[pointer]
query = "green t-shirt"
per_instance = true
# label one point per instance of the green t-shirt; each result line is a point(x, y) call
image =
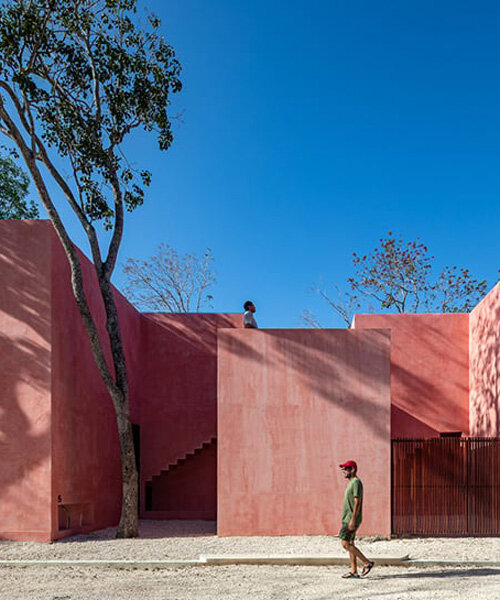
point(354, 490)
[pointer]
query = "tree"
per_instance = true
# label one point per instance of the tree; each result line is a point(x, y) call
point(14, 184)
point(343, 303)
point(398, 276)
point(76, 78)
point(170, 282)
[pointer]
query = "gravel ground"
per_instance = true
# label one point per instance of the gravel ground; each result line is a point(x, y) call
point(183, 539)
point(238, 583)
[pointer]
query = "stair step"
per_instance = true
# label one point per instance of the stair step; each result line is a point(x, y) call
point(172, 466)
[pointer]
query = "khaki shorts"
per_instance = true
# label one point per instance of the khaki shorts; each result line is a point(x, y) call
point(346, 534)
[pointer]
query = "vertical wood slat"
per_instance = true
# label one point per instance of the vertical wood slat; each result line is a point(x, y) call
point(446, 486)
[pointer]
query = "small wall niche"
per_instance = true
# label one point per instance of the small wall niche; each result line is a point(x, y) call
point(75, 515)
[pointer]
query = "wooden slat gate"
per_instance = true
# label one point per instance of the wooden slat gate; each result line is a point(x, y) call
point(446, 486)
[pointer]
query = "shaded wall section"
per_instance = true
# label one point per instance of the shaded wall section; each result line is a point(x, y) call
point(189, 489)
point(293, 404)
point(60, 467)
point(429, 371)
point(485, 366)
point(25, 364)
point(86, 471)
point(179, 413)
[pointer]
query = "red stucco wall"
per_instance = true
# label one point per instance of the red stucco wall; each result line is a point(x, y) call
point(25, 366)
point(485, 366)
point(179, 413)
point(429, 371)
point(404, 425)
point(172, 371)
point(59, 455)
point(189, 491)
point(293, 404)
point(86, 472)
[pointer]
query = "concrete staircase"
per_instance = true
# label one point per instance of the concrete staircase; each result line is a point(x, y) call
point(171, 468)
point(179, 462)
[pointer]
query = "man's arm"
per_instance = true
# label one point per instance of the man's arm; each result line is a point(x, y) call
point(355, 513)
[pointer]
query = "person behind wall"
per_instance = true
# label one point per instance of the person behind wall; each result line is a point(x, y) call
point(352, 514)
point(249, 321)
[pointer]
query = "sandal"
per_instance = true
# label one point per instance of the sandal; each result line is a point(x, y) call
point(367, 568)
point(350, 575)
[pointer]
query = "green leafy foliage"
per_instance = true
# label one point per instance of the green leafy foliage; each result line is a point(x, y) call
point(14, 185)
point(87, 76)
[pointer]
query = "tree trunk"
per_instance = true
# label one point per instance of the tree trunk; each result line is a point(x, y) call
point(128, 526)
point(117, 386)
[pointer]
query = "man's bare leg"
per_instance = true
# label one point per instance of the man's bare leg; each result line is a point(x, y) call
point(349, 547)
point(359, 554)
point(354, 553)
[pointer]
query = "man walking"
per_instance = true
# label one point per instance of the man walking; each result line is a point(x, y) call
point(352, 514)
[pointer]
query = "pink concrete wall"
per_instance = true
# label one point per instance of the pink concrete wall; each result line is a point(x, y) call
point(484, 366)
point(179, 380)
point(86, 472)
point(429, 371)
point(59, 452)
point(25, 365)
point(293, 404)
point(190, 490)
point(404, 425)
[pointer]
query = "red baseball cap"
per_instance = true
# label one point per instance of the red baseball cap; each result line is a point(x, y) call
point(349, 463)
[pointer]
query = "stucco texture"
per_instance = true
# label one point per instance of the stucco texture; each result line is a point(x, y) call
point(25, 368)
point(485, 366)
point(178, 413)
point(293, 404)
point(59, 454)
point(429, 372)
point(86, 466)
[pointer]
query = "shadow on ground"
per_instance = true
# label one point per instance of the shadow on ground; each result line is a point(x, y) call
point(149, 530)
point(477, 572)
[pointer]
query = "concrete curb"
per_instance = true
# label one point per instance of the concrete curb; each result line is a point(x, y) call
point(320, 561)
point(215, 561)
point(107, 564)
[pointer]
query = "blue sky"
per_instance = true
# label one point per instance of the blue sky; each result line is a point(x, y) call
point(310, 129)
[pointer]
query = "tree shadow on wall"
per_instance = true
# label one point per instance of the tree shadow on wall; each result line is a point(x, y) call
point(178, 385)
point(338, 376)
point(430, 367)
point(197, 332)
point(438, 394)
point(333, 376)
point(485, 372)
point(325, 365)
point(423, 401)
point(24, 362)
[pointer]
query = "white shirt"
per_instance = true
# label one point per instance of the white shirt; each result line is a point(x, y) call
point(248, 319)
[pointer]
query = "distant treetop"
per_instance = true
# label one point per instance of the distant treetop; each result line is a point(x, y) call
point(398, 276)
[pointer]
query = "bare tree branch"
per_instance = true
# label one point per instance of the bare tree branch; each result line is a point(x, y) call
point(170, 282)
